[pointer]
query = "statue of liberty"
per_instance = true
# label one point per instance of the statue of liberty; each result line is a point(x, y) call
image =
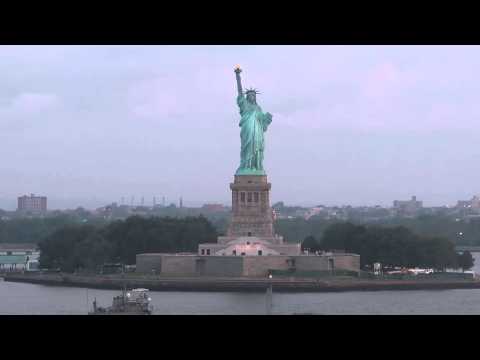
point(253, 125)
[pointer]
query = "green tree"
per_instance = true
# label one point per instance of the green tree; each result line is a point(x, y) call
point(88, 247)
point(64, 249)
point(391, 246)
point(342, 236)
point(465, 260)
point(310, 244)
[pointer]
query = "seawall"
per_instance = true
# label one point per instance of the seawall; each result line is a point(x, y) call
point(238, 284)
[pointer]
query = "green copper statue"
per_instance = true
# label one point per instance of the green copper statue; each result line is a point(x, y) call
point(254, 123)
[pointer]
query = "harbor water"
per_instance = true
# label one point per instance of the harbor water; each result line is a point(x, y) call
point(22, 298)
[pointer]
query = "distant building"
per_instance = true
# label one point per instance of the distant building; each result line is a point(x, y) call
point(107, 210)
point(32, 203)
point(473, 204)
point(315, 211)
point(407, 207)
point(18, 257)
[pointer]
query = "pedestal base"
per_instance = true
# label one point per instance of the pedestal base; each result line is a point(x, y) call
point(248, 246)
point(251, 212)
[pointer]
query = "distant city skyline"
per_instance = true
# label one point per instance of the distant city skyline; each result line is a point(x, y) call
point(94, 203)
point(352, 125)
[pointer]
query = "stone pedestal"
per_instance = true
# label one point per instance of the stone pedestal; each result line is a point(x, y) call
point(250, 231)
point(251, 211)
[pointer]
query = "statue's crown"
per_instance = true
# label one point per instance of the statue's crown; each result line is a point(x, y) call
point(251, 90)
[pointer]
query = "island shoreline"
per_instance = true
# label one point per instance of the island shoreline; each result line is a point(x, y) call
point(238, 284)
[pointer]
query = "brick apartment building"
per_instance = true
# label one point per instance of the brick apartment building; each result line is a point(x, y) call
point(32, 203)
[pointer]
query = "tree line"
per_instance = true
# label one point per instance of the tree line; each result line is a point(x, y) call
point(76, 247)
point(391, 246)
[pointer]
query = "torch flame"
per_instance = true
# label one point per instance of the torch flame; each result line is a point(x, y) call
point(237, 67)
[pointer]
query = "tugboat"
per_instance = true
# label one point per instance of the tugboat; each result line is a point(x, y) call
point(133, 302)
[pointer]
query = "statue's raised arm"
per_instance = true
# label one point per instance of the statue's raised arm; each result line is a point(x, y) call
point(239, 80)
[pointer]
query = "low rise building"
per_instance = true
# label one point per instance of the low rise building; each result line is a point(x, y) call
point(316, 211)
point(407, 207)
point(469, 206)
point(18, 257)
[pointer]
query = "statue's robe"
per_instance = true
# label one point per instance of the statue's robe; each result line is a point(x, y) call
point(253, 125)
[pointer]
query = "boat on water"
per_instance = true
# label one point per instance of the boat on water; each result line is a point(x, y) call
point(133, 302)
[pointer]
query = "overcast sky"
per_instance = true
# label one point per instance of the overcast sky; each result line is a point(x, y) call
point(360, 125)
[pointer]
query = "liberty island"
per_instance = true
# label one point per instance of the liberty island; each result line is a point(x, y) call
point(250, 247)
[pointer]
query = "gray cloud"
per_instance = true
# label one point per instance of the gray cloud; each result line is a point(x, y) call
point(352, 124)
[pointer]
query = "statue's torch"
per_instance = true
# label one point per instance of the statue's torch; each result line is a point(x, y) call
point(239, 80)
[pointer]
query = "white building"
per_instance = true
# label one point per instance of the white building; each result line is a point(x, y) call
point(18, 257)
